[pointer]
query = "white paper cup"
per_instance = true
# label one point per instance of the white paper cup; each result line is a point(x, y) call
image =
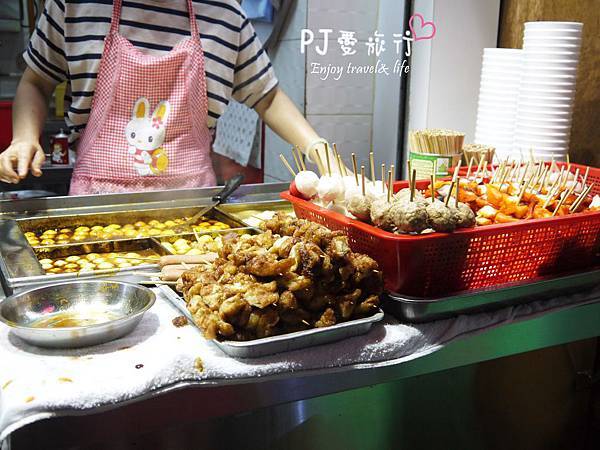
point(541, 134)
point(541, 139)
point(543, 114)
point(547, 91)
point(550, 38)
point(553, 25)
point(553, 58)
point(550, 84)
point(549, 75)
point(549, 46)
point(541, 105)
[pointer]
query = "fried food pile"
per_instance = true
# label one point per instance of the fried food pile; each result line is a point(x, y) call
point(294, 276)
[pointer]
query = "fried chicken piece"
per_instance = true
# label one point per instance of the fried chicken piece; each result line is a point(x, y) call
point(367, 306)
point(338, 247)
point(268, 265)
point(345, 304)
point(235, 310)
point(326, 319)
point(294, 282)
point(261, 295)
point(363, 266)
point(318, 302)
point(263, 322)
point(287, 300)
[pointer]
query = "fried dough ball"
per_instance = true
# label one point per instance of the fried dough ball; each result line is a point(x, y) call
point(46, 261)
point(60, 263)
point(48, 242)
point(50, 233)
point(92, 256)
point(72, 266)
point(55, 271)
point(47, 266)
point(105, 266)
point(30, 234)
point(72, 259)
point(82, 230)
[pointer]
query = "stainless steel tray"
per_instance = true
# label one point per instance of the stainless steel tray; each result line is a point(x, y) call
point(284, 342)
point(411, 309)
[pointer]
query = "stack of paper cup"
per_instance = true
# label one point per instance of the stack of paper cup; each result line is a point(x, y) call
point(498, 99)
point(551, 56)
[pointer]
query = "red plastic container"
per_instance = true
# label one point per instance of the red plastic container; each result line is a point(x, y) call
point(442, 263)
point(5, 124)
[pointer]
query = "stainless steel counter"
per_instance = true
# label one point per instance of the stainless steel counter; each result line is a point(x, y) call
point(199, 401)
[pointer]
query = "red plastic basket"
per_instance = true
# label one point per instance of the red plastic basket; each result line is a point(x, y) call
point(442, 263)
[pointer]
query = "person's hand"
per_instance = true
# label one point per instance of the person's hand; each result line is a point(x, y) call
point(17, 159)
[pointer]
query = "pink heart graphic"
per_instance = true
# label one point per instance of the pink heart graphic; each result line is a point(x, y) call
point(421, 28)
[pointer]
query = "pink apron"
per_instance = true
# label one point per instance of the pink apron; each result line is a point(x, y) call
point(147, 129)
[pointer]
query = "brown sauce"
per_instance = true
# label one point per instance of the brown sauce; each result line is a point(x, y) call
point(71, 319)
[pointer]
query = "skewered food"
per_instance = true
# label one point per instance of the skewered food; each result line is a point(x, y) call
point(295, 276)
point(380, 214)
point(331, 188)
point(441, 217)
point(360, 207)
point(307, 183)
point(116, 231)
point(410, 217)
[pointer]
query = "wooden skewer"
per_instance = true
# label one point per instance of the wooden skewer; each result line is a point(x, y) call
point(157, 282)
point(470, 166)
point(372, 161)
point(456, 171)
point(449, 193)
point(482, 161)
point(457, 191)
point(319, 163)
point(525, 186)
point(328, 159)
point(393, 170)
point(568, 160)
point(413, 185)
point(147, 274)
point(383, 178)
point(300, 157)
point(287, 165)
point(566, 195)
point(355, 167)
point(338, 160)
point(587, 172)
point(582, 196)
point(296, 160)
point(362, 176)
point(389, 194)
point(432, 189)
point(409, 173)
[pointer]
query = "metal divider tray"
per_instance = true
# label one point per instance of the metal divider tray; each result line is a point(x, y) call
point(411, 309)
point(284, 342)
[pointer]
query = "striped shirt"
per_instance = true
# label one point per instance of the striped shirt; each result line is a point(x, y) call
point(68, 41)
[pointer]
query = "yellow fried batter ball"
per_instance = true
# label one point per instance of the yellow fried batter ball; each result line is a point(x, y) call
point(170, 223)
point(72, 259)
point(48, 242)
point(82, 230)
point(60, 263)
point(30, 234)
point(47, 266)
point(92, 256)
point(105, 266)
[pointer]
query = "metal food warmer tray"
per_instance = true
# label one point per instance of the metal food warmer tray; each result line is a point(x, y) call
point(19, 261)
point(284, 342)
point(416, 310)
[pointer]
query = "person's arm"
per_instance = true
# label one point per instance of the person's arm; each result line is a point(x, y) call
point(29, 115)
point(283, 117)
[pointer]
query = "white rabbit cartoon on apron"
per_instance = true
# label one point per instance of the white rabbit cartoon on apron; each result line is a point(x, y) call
point(146, 135)
point(128, 147)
